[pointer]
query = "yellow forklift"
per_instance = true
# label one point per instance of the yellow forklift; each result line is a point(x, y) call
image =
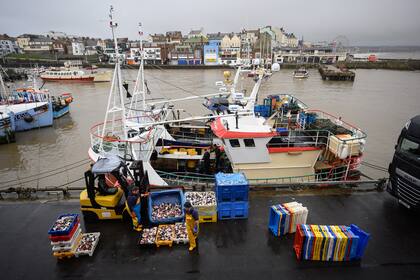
point(104, 202)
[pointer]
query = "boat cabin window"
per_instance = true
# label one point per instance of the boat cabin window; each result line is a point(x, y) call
point(249, 142)
point(234, 143)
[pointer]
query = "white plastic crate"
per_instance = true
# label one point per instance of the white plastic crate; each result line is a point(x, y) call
point(68, 242)
point(79, 252)
point(66, 245)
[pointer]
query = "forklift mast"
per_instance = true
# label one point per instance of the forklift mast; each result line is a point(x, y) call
point(140, 180)
point(90, 187)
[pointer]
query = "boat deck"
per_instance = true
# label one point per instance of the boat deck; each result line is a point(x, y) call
point(17, 108)
point(236, 249)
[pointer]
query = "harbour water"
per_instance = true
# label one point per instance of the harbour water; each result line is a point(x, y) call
point(414, 54)
point(378, 101)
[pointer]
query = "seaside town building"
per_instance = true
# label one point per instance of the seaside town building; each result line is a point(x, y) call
point(265, 45)
point(8, 45)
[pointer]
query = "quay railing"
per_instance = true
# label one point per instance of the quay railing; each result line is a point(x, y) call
point(179, 178)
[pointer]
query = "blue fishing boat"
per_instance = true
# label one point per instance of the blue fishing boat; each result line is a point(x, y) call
point(27, 116)
point(61, 105)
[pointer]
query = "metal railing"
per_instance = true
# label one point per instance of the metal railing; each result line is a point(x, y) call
point(179, 178)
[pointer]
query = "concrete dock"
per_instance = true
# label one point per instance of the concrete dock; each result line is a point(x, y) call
point(334, 73)
point(236, 249)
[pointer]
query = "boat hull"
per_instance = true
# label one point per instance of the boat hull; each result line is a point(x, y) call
point(39, 116)
point(70, 79)
point(61, 112)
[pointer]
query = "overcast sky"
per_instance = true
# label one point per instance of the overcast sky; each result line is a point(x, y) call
point(363, 22)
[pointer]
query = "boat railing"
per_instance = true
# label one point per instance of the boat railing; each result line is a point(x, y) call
point(301, 138)
point(193, 137)
point(178, 178)
point(358, 134)
point(110, 138)
point(290, 97)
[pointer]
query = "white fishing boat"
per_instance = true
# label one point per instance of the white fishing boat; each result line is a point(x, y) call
point(289, 144)
point(301, 73)
point(74, 72)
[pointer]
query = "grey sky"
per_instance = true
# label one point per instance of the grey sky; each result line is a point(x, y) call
point(369, 22)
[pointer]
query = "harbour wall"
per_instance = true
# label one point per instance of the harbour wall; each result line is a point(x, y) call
point(390, 64)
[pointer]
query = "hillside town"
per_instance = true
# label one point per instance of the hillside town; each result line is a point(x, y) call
point(268, 43)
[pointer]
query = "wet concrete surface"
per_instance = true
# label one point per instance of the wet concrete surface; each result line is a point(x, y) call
point(236, 249)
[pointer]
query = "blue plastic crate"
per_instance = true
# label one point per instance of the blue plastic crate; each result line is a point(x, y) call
point(352, 251)
point(167, 196)
point(231, 187)
point(278, 220)
point(67, 231)
point(230, 179)
point(232, 193)
point(273, 222)
point(363, 240)
point(282, 130)
point(232, 210)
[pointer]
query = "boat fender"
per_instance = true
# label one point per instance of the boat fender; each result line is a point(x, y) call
point(343, 151)
point(28, 118)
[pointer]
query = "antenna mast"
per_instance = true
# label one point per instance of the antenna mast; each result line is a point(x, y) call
point(115, 108)
point(140, 79)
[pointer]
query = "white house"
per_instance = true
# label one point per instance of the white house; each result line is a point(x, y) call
point(78, 48)
point(230, 49)
point(39, 44)
point(7, 45)
point(152, 55)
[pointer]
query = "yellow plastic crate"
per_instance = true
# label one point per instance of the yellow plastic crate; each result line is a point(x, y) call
point(208, 219)
point(164, 242)
point(192, 152)
point(70, 253)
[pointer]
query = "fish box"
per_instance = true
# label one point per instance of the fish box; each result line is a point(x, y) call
point(64, 224)
point(342, 147)
point(174, 198)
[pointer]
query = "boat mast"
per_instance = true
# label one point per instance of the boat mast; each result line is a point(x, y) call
point(139, 80)
point(253, 96)
point(115, 108)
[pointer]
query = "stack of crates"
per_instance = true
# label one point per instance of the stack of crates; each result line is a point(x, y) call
point(285, 217)
point(330, 243)
point(232, 191)
point(65, 235)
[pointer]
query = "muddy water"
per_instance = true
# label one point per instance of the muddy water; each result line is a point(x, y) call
point(378, 101)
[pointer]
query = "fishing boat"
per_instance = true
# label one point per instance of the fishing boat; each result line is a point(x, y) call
point(289, 143)
point(28, 107)
point(28, 116)
point(61, 105)
point(301, 73)
point(73, 72)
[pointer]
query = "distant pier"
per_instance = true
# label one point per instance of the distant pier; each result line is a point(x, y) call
point(333, 73)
